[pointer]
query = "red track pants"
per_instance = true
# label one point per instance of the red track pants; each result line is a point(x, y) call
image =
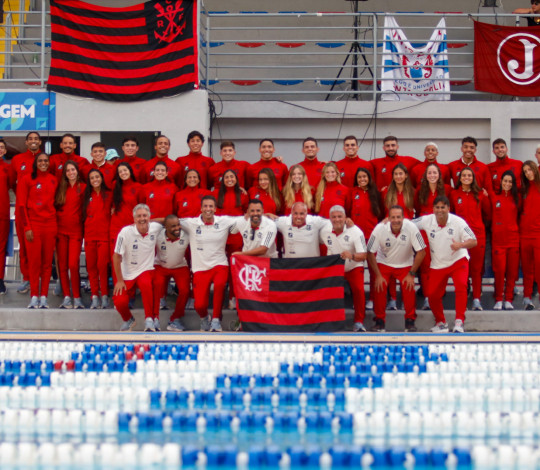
point(68, 253)
point(355, 278)
point(505, 263)
point(438, 280)
point(476, 266)
point(23, 256)
point(391, 275)
point(97, 262)
point(161, 279)
point(530, 264)
point(201, 289)
point(4, 237)
point(40, 257)
point(144, 282)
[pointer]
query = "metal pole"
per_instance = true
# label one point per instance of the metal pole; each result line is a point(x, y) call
point(7, 46)
point(375, 64)
point(42, 65)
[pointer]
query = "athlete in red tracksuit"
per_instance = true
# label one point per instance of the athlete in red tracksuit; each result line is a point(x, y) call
point(431, 152)
point(130, 147)
point(366, 210)
point(267, 192)
point(97, 218)
point(349, 165)
point(195, 160)
point(297, 189)
point(529, 230)
point(330, 191)
point(187, 202)
point(5, 184)
point(68, 146)
point(505, 205)
point(159, 193)
point(468, 202)
point(281, 172)
point(68, 202)
point(35, 200)
point(469, 160)
point(502, 164)
point(21, 165)
point(228, 162)
point(383, 167)
point(162, 147)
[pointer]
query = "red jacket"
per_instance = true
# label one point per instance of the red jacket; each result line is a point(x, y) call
point(499, 166)
point(35, 200)
point(417, 173)
point(107, 170)
point(269, 204)
point(136, 164)
point(98, 217)
point(427, 207)
point(361, 212)
point(349, 166)
point(504, 221)
point(334, 194)
point(298, 197)
point(280, 171)
point(21, 165)
point(313, 170)
point(132, 194)
point(474, 213)
point(159, 196)
point(175, 172)
point(383, 168)
point(5, 184)
point(215, 172)
point(58, 160)
point(229, 203)
point(407, 213)
point(529, 224)
point(196, 161)
point(483, 176)
point(69, 216)
point(187, 202)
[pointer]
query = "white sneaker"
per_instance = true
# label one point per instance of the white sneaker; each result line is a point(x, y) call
point(215, 325)
point(176, 325)
point(527, 303)
point(149, 324)
point(95, 303)
point(205, 323)
point(128, 325)
point(163, 304)
point(232, 304)
point(24, 287)
point(369, 305)
point(359, 328)
point(458, 327)
point(508, 305)
point(426, 304)
point(77, 303)
point(476, 305)
point(104, 301)
point(67, 302)
point(392, 305)
point(498, 305)
point(157, 326)
point(43, 302)
point(34, 302)
point(440, 328)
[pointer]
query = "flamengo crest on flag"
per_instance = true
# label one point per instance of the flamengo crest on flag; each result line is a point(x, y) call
point(289, 294)
point(414, 73)
point(141, 52)
point(507, 59)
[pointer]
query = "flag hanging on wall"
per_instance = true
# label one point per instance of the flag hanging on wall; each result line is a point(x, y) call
point(414, 72)
point(289, 294)
point(141, 52)
point(507, 59)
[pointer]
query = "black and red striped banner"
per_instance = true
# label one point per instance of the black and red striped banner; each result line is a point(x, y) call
point(141, 52)
point(289, 295)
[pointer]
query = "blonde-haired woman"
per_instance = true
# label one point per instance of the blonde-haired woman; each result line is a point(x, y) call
point(297, 189)
point(330, 191)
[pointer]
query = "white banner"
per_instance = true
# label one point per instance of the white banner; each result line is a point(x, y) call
point(414, 73)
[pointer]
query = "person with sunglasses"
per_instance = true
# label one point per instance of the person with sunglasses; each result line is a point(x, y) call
point(534, 10)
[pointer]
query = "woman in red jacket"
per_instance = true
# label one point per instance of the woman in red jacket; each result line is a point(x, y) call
point(431, 186)
point(97, 202)
point(400, 191)
point(529, 230)
point(330, 191)
point(366, 210)
point(187, 202)
point(469, 202)
point(267, 191)
point(68, 202)
point(505, 240)
point(159, 193)
point(35, 202)
point(297, 189)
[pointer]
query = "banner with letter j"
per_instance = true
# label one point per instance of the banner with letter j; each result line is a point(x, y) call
point(414, 72)
point(506, 59)
point(289, 294)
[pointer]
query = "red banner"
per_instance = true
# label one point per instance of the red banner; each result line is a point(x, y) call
point(289, 295)
point(507, 59)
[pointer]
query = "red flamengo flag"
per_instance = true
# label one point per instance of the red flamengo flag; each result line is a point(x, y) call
point(289, 295)
point(134, 53)
point(507, 59)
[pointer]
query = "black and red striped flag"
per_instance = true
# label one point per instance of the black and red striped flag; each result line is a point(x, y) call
point(134, 53)
point(289, 294)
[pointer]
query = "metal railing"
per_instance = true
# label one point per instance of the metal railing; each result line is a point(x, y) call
point(324, 55)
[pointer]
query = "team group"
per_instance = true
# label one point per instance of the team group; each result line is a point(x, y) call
point(140, 216)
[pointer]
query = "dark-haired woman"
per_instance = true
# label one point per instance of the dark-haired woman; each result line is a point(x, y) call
point(529, 230)
point(267, 191)
point(159, 193)
point(35, 203)
point(68, 203)
point(400, 191)
point(366, 210)
point(505, 204)
point(469, 202)
point(97, 202)
point(187, 201)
